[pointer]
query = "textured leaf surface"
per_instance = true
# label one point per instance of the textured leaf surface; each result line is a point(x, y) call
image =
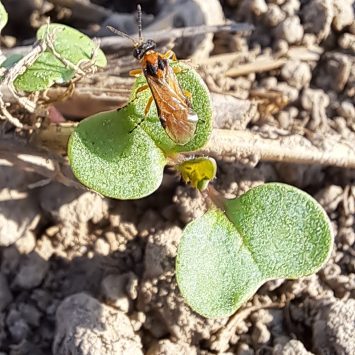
point(3, 16)
point(72, 45)
point(107, 157)
point(201, 102)
point(272, 231)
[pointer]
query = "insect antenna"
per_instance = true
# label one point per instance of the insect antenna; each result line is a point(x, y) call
point(122, 34)
point(139, 20)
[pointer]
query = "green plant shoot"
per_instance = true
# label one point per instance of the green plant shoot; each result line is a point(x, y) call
point(122, 154)
point(272, 231)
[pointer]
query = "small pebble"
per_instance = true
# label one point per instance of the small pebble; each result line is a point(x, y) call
point(343, 14)
point(291, 7)
point(274, 15)
point(86, 326)
point(102, 247)
point(26, 243)
point(347, 110)
point(17, 326)
point(116, 289)
point(30, 314)
point(296, 74)
point(32, 271)
point(290, 30)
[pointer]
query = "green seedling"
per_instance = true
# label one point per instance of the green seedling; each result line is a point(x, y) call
point(272, 231)
point(67, 52)
point(3, 16)
point(122, 154)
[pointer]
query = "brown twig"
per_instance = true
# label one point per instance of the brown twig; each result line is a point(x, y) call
point(116, 43)
point(286, 148)
point(223, 143)
point(35, 159)
point(12, 73)
point(260, 65)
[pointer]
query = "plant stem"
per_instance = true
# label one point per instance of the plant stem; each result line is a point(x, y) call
point(290, 148)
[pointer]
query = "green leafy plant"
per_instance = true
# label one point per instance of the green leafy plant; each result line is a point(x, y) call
point(62, 53)
point(122, 154)
point(272, 231)
point(72, 48)
point(3, 16)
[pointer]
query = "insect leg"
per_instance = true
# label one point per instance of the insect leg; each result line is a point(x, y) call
point(135, 72)
point(178, 70)
point(169, 55)
point(188, 94)
point(147, 108)
point(140, 89)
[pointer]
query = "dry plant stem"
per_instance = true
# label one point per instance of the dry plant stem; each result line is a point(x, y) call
point(116, 43)
point(12, 73)
point(38, 160)
point(267, 63)
point(113, 44)
point(260, 65)
point(19, 68)
point(86, 9)
point(285, 148)
point(41, 155)
point(66, 62)
point(220, 340)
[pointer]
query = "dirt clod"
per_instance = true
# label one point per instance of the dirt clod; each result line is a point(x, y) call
point(32, 271)
point(5, 293)
point(85, 325)
point(333, 328)
point(290, 30)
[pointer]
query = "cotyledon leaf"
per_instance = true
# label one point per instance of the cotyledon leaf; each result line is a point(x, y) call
point(72, 45)
point(3, 16)
point(109, 155)
point(272, 231)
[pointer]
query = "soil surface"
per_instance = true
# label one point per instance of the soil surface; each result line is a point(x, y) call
point(83, 274)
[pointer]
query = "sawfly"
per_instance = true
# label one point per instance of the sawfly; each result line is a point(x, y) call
point(173, 103)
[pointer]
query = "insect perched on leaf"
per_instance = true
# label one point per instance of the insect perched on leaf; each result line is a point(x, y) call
point(173, 104)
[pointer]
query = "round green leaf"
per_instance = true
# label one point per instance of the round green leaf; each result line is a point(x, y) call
point(111, 155)
point(272, 231)
point(214, 270)
point(72, 45)
point(3, 16)
point(287, 230)
point(189, 80)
